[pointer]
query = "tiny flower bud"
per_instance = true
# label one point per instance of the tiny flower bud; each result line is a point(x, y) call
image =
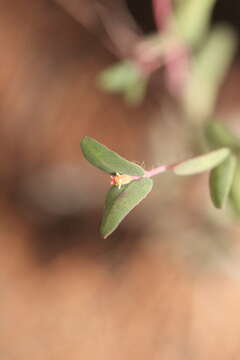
point(119, 180)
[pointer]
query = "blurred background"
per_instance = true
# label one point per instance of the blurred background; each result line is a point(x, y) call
point(166, 284)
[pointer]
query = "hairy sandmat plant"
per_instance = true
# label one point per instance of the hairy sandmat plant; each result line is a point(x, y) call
point(195, 58)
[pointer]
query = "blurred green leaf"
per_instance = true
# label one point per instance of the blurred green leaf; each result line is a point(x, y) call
point(235, 192)
point(220, 181)
point(119, 202)
point(119, 77)
point(218, 134)
point(107, 160)
point(208, 70)
point(136, 92)
point(193, 17)
point(202, 163)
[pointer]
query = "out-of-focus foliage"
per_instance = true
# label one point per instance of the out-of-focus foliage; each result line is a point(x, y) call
point(208, 69)
point(235, 192)
point(218, 134)
point(126, 78)
point(208, 54)
point(221, 179)
point(192, 18)
point(202, 163)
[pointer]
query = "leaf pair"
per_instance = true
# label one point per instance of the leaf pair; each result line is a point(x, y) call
point(119, 201)
point(222, 164)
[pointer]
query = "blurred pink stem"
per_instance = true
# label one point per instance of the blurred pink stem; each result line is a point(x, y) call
point(177, 69)
point(162, 10)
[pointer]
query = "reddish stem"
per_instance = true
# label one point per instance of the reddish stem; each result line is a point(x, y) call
point(156, 171)
point(177, 69)
point(162, 10)
point(153, 172)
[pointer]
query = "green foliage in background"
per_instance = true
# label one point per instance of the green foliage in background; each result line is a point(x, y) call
point(221, 180)
point(126, 78)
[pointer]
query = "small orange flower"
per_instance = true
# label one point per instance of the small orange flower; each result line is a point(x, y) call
point(119, 180)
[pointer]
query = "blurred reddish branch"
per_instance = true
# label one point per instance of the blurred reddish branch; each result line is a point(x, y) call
point(111, 22)
point(162, 11)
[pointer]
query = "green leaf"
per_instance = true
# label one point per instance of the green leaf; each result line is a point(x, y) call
point(235, 192)
point(220, 181)
point(193, 18)
point(119, 202)
point(112, 195)
point(136, 92)
point(208, 70)
point(217, 134)
point(119, 77)
point(202, 163)
point(107, 160)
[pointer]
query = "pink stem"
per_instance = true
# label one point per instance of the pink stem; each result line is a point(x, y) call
point(177, 69)
point(156, 171)
point(162, 11)
point(153, 172)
